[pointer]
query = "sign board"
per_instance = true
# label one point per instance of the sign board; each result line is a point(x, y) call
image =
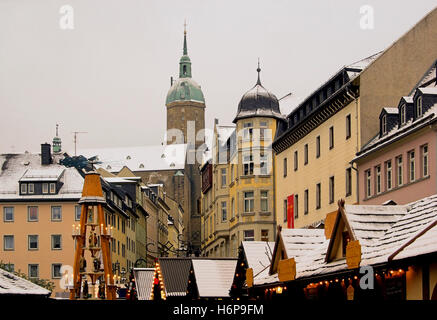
point(249, 277)
point(287, 270)
point(353, 254)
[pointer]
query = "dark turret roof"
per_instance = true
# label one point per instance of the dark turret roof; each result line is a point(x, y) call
point(258, 102)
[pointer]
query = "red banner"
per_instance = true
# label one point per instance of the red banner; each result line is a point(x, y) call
point(290, 212)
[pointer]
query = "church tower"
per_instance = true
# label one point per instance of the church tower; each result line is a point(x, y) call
point(185, 124)
point(185, 104)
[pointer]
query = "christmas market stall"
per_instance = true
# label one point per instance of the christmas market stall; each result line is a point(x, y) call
point(211, 278)
point(170, 278)
point(378, 252)
point(254, 258)
point(144, 281)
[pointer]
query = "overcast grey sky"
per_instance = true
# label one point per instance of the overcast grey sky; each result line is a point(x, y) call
point(109, 76)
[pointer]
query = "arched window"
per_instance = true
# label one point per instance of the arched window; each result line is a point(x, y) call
point(184, 70)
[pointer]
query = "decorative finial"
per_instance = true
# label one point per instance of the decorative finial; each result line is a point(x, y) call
point(258, 70)
point(185, 38)
point(57, 126)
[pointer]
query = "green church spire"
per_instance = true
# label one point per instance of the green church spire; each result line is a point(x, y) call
point(185, 62)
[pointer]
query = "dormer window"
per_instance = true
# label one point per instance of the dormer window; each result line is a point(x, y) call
point(403, 114)
point(384, 124)
point(31, 188)
point(24, 188)
point(419, 109)
point(45, 188)
point(52, 187)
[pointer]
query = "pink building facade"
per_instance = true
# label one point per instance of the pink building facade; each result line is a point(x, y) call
point(400, 164)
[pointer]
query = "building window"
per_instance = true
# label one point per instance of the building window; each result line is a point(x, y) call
point(233, 207)
point(123, 250)
point(31, 188)
point(52, 187)
point(384, 124)
point(23, 188)
point(378, 179)
point(264, 199)
point(45, 188)
point(265, 235)
point(331, 137)
point(248, 164)
point(263, 164)
point(56, 213)
point(296, 206)
point(305, 201)
point(33, 270)
point(56, 242)
point(33, 242)
point(248, 201)
point(348, 126)
point(411, 166)
point(224, 211)
point(331, 189)
point(425, 167)
point(32, 213)
point(318, 147)
point(77, 212)
point(368, 185)
point(419, 110)
point(56, 271)
point(232, 173)
point(249, 235)
point(296, 164)
point(348, 182)
point(263, 130)
point(285, 210)
point(247, 131)
point(318, 196)
point(305, 154)
point(8, 214)
point(10, 267)
point(389, 175)
point(400, 171)
point(403, 114)
point(223, 175)
point(285, 167)
point(8, 243)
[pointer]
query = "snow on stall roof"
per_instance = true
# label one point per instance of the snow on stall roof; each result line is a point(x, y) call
point(141, 158)
point(214, 276)
point(258, 255)
point(10, 284)
point(421, 245)
point(381, 230)
point(14, 167)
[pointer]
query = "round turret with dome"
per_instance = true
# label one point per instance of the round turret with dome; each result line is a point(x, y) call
point(258, 102)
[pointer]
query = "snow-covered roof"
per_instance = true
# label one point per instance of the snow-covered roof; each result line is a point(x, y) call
point(400, 230)
point(141, 158)
point(15, 167)
point(118, 180)
point(214, 276)
point(258, 256)
point(428, 90)
point(398, 132)
point(144, 282)
point(10, 284)
point(391, 110)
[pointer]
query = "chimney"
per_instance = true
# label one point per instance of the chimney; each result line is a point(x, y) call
point(46, 155)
